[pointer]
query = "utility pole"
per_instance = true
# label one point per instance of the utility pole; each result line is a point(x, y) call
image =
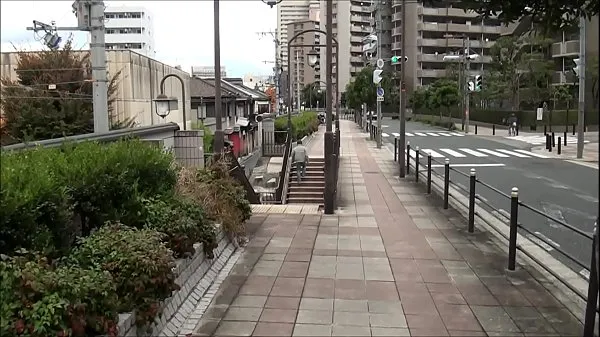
point(298, 79)
point(402, 145)
point(379, 56)
point(90, 17)
point(467, 66)
point(276, 68)
point(581, 106)
point(219, 137)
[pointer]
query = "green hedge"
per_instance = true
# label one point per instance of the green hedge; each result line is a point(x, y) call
point(51, 196)
point(303, 125)
point(526, 118)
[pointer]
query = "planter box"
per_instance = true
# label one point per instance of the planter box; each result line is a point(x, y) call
point(190, 272)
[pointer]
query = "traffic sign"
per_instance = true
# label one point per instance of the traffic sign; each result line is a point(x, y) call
point(380, 92)
point(380, 63)
point(379, 98)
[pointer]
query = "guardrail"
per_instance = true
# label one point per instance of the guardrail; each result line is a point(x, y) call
point(274, 143)
point(475, 202)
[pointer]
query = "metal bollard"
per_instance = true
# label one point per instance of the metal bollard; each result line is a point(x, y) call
point(573, 129)
point(395, 149)
point(517, 130)
point(428, 173)
point(475, 128)
point(553, 140)
point(545, 130)
point(472, 182)
point(417, 164)
point(493, 129)
point(512, 238)
point(559, 145)
point(548, 143)
point(446, 182)
point(565, 139)
point(407, 158)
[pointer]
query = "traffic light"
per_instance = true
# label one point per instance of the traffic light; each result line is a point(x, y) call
point(471, 86)
point(377, 76)
point(478, 82)
point(396, 59)
point(577, 68)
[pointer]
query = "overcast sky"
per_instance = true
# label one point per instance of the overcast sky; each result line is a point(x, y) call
point(183, 30)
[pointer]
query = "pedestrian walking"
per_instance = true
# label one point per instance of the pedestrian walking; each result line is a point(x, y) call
point(512, 125)
point(300, 159)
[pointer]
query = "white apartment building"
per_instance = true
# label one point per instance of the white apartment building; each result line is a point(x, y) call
point(130, 27)
point(289, 11)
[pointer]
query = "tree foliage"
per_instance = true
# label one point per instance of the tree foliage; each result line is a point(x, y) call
point(442, 94)
point(32, 110)
point(363, 90)
point(313, 96)
point(551, 16)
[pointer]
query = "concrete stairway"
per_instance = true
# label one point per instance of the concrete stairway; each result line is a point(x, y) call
point(310, 190)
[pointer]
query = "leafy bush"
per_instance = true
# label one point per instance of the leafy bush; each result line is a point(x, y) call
point(208, 138)
point(35, 210)
point(303, 124)
point(222, 198)
point(140, 264)
point(183, 223)
point(39, 300)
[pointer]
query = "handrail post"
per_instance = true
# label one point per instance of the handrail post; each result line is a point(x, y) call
point(395, 148)
point(407, 158)
point(493, 129)
point(417, 164)
point(592, 295)
point(429, 173)
point(446, 182)
point(512, 238)
point(559, 145)
point(472, 182)
point(565, 138)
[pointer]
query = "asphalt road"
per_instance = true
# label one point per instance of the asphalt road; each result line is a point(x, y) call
point(555, 187)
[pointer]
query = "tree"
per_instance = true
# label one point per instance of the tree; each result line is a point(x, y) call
point(363, 90)
point(592, 74)
point(271, 94)
point(443, 93)
point(419, 99)
point(551, 16)
point(34, 111)
point(562, 95)
point(312, 95)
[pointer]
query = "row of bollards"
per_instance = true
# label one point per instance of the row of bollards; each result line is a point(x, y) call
point(551, 142)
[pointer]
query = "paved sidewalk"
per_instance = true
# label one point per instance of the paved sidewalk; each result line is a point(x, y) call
point(569, 152)
point(389, 263)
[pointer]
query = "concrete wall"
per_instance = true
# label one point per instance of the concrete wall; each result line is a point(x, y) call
point(138, 85)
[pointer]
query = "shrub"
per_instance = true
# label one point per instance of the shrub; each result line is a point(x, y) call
point(140, 264)
point(303, 124)
point(35, 210)
point(219, 194)
point(39, 300)
point(106, 181)
point(183, 223)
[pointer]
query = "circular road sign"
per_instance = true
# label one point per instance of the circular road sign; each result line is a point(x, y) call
point(380, 92)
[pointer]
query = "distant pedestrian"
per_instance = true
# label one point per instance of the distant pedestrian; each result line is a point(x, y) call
point(512, 125)
point(300, 159)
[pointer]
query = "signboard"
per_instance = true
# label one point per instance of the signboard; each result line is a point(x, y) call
point(379, 98)
point(380, 92)
point(380, 63)
point(540, 114)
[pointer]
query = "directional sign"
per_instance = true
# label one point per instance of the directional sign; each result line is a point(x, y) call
point(380, 92)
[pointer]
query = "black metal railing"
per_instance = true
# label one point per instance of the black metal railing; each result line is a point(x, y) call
point(475, 204)
point(274, 143)
point(285, 167)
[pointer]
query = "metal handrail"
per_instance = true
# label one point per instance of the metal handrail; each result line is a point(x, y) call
point(282, 183)
point(592, 296)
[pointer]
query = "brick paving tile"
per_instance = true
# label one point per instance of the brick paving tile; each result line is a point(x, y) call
point(390, 262)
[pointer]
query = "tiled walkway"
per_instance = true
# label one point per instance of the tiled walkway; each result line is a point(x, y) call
point(389, 263)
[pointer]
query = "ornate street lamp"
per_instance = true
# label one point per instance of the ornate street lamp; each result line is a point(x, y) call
point(313, 58)
point(164, 105)
point(271, 3)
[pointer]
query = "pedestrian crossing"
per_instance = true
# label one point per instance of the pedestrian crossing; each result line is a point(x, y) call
point(541, 140)
point(479, 153)
point(424, 134)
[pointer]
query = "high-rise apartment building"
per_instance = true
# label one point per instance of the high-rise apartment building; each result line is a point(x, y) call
point(301, 73)
point(130, 27)
point(289, 11)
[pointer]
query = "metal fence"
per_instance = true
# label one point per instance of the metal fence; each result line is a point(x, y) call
point(273, 143)
point(476, 204)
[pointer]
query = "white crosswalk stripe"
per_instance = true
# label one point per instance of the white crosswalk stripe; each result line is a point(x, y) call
point(425, 134)
point(541, 140)
point(453, 153)
point(479, 153)
point(384, 134)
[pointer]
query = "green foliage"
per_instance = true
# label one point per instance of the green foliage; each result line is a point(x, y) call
point(443, 93)
point(40, 300)
point(32, 112)
point(313, 96)
point(208, 136)
point(140, 264)
point(363, 90)
point(43, 188)
point(551, 16)
point(303, 124)
point(183, 224)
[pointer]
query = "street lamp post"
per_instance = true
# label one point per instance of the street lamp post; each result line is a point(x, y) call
point(164, 104)
point(219, 141)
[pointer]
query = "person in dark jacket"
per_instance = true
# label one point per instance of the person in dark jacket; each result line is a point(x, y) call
point(512, 125)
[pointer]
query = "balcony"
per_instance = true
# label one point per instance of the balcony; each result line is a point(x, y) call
point(430, 58)
point(431, 72)
point(356, 49)
point(397, 31)
point(356, 59)
point(564, 77)
point(396, 45)
point(397, 16)
point(455, 12)
point(361, 9)
point(567, 48)
point(360, 19)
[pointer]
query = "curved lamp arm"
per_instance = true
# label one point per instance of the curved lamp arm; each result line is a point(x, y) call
point(162, 91)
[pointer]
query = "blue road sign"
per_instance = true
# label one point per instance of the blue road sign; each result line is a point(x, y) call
point(380, 92)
